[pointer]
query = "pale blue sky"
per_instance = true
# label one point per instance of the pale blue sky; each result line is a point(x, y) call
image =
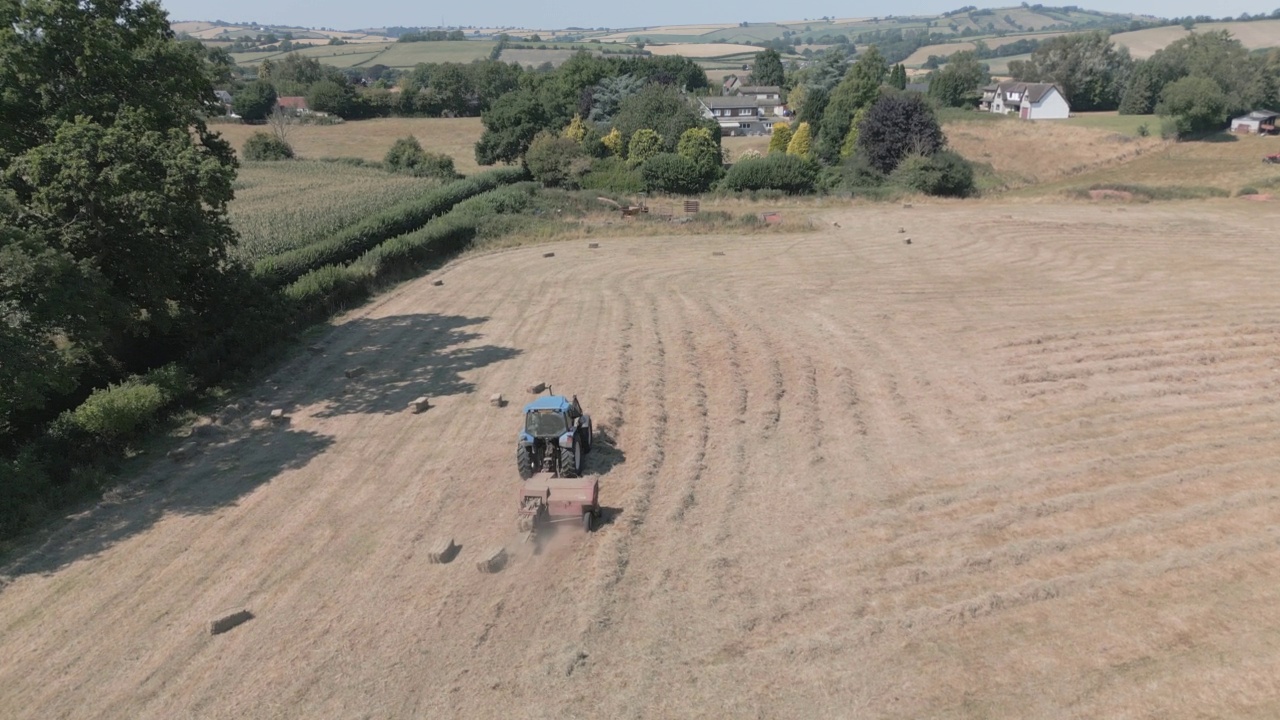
point(554, 14)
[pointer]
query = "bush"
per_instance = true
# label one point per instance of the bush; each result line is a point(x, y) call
point(254, 101)
point(357, 239)
point(896, 126)
point(780, 139)
point(858, 172)
point(407, 156)
point(644, 144)
point(118, 412)
point(789, 173)
point(265, 146)
point(613, 175)
point(943, 173)
point(1247, 190)
point(556, 161)
point(671, 173)
point(1144, 130)
point(801, 142)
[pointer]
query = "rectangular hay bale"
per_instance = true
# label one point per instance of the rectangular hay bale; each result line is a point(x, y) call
point(420, 404)
point(354, 372)
point(535, 389)
point(227, 622)
point(497, 400)
point(493, 561)
point(443, 551)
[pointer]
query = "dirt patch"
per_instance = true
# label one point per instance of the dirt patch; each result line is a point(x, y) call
point(1257, 197)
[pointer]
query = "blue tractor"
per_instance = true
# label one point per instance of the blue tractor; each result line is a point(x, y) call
point(556, 437)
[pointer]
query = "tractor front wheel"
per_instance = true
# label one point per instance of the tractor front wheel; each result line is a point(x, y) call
point(588, 520)
point(524, 460)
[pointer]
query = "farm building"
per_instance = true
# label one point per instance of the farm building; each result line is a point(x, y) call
point(1031, 101)
point(1258, 121)
point(737, 115)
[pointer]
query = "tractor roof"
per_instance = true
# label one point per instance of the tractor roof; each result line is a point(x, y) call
point(549, 402)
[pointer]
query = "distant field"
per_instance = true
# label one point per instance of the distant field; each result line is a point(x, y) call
point(1000, 66)
point(407, 55)
point(919, 57)
point(666, 30)
point(1253, 35)
point(702, 50)
point(370, 139)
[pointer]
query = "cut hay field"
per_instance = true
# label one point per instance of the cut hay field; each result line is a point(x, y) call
point(702, 50)
point(370, 139)
point(1253, 35)
point(1022, 467)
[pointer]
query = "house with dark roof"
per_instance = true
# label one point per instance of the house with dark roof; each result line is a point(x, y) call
point(737, 114)
point(1031, 101)
point(771, 93)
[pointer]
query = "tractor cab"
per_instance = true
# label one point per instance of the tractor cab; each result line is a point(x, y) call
point(556, 436)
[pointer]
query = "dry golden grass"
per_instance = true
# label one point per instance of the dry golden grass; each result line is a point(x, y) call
point(1024, 467)
point(1026, 153)
point(702, 50)
point(1253, 35)
point(741, 143)
point(370, 139)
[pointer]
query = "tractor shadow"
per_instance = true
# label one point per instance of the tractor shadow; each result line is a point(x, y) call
point(605, 454)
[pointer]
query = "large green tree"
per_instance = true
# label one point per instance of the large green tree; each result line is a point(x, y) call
point(1247, 81)
point(660, 108)
point(957, 84)
point(1089, 68)
point(768, 69)
point(857, 90)
point(116, 234)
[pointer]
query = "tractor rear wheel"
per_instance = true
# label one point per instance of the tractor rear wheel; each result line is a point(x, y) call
point(524, 459)
point(587, 439)
point(569, 461)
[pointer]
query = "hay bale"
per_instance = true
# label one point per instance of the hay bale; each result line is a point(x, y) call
point(437, 283)
point(493, 561)
point(535, 389)
point(908, 241)
point(227, 622)
point(443, 551)
point(835, 224)
point(277, 415)
point(717, 253)
point(419, 404)
point(497, 400)
point(185, 451)
point(548, 254)
point(315, 349)
point(354, 372)
point(906, 205)
point(593, 246)
point(901, 230)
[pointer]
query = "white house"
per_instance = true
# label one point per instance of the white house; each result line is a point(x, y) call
point(1031, 101)
point(1258, 121)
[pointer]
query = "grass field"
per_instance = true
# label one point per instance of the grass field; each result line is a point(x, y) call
point(283, 205)
point(1115, 122)
point(370, 139)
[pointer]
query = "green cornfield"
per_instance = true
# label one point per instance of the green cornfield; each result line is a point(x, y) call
point(280, 206)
